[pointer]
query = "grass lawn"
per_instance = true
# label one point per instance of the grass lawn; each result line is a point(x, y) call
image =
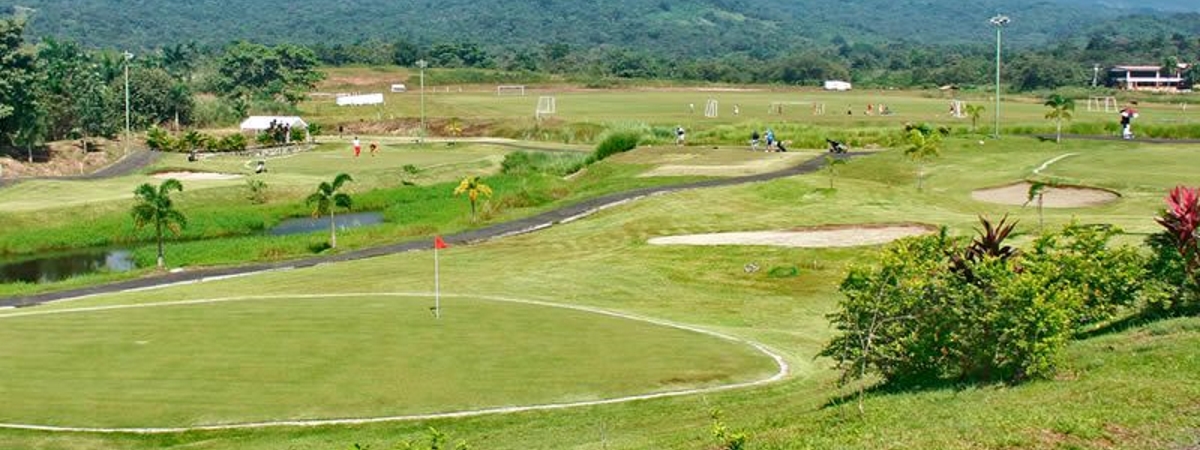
point(339, 357)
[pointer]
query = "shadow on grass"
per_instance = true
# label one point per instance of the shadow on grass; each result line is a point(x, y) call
point(914, 386)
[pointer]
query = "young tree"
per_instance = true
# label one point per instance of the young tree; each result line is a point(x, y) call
point(974, 112)
point(155, 206)
point(473, 186)
point(923, 144)
point(831, 166)
point(326, 199)
point(1037, 191)
point(1061, 109)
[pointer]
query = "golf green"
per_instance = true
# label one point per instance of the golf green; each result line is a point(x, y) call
point(354, 356)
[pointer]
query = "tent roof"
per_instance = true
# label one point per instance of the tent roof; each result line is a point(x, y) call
point(264, 122)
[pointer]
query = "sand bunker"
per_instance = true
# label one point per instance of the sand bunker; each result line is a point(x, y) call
point(678, 165)
point(191, 176)
point(1054, 197)
point(819, 237)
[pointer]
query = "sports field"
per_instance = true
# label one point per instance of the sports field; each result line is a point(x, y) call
point(332, 342)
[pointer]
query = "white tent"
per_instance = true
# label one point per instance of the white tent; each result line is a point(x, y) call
point(837, 85)
point(263, 123)
point(360, 100)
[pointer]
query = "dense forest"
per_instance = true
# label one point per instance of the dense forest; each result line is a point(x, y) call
point(692, 28)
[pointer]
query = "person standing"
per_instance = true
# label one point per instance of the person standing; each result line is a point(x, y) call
point(770, 139)
point(357, 147)
point(1127, 116)
point(679, 135)
point(754, 140)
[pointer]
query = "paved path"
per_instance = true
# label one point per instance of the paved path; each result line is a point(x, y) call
point(515, 227)
point(129, 164)
point(1088, 137)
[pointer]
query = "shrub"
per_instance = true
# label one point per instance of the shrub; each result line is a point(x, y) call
point(1175, 264)
point(938, 309)
point(158, 139)
point(617, 142)
point(557, 164)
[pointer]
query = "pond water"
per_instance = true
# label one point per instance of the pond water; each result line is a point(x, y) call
point(342, 221)
point(56, 267)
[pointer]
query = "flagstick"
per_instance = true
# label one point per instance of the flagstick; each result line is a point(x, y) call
point(437, 287)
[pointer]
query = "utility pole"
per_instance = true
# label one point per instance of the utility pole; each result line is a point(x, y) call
point(422, 64)
point(1000, 21)
point(128, 57)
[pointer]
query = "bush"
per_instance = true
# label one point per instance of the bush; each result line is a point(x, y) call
point(557, 164)
point(617, 142)
point(158, 139)
point(1176, 261)
point(937, 309)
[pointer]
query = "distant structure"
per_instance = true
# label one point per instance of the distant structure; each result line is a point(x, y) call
point(1148, 78)
point(359, 100)
point(837, 85)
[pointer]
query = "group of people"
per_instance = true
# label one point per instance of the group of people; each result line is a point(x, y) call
point(358, 147)
point(772, 144)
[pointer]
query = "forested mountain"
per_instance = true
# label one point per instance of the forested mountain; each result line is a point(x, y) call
point(758, 28)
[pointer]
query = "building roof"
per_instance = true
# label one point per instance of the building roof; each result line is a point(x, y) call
point(264, 122)
point(1138, 68)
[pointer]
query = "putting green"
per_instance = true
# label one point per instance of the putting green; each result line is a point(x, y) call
point(303, 358)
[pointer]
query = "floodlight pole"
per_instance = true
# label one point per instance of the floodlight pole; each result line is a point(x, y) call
point(999, 22)
point(422, 64)
point(128, 56)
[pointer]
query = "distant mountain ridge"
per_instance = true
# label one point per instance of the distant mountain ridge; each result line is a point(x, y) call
point(682, 27)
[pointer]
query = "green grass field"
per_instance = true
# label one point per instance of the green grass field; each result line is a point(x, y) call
point(1126, 389)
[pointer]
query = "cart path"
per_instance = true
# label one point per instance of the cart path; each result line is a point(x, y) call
point(781, 372)
point(520, 226)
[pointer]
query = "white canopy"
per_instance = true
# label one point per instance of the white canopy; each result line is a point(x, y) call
point(259, 123)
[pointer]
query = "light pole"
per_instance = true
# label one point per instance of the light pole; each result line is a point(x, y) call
point(422, 64)
point(999, 22)
point(128, 56)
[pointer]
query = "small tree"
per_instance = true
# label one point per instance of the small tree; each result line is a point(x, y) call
point(1061, 109)
point(473, 186)
point(974, 112)
point(154, 206)
point(1037, 191)
point(326, 199)
point(922, 145)
point(831, 167)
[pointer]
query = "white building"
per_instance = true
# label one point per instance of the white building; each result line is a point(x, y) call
point(837, 85)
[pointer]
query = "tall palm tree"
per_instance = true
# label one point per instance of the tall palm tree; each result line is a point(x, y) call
point(1061, 109)
point(154, 206)
point(974, 112)
point(473, 187)
point(326, 198)
point(922, 146)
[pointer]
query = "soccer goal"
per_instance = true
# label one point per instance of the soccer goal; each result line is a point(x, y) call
point(958, 109)
point(712, 109)
point(1102, 104)
point(518, 90)
point(546, 106)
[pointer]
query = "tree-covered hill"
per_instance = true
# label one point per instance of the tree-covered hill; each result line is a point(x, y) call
point(669, 27)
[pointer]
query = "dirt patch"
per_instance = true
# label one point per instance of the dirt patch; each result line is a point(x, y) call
point(1054, 197)
point(57, 159)
point(813, 237)
point(194, 176)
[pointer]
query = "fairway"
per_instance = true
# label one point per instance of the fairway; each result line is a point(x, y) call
point(259, 359)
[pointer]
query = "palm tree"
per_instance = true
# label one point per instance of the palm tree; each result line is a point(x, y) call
point(1037, 191)
point(473, 187)
point(922, 146)
point(1060, 110)
point(326, 198)
point(974, 112)
point(154, 206)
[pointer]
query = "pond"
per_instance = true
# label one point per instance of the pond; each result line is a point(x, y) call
point(57, 267)
point(342, 221)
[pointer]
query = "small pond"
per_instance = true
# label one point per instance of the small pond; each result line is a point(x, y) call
point(57, 267)
point(342, 221)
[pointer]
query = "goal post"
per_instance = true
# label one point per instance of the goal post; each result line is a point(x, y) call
point(546, 106)
point(511, 89)
point(1102, 104)
point(712, 109)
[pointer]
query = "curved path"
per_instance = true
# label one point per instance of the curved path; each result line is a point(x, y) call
point(520, 226)
point(1091, 137)
point(780, 363)
point(127, 165)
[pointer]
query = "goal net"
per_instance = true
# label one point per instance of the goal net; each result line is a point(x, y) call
point(510, 90)
point(711, 109)
point(546, 106)
point(1102, 104)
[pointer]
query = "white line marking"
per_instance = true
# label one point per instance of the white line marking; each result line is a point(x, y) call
point(780, 362)
point(1046, 165)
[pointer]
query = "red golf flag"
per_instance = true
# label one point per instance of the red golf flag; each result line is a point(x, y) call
point(438, 243)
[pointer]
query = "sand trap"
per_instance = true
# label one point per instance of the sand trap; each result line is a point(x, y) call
point(1054, 197)
point(817, 237)
point(191, 176)
point(677, 165)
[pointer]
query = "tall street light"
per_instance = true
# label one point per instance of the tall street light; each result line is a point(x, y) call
point(422, 64)
point(128, 56)
point(1000, 21)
